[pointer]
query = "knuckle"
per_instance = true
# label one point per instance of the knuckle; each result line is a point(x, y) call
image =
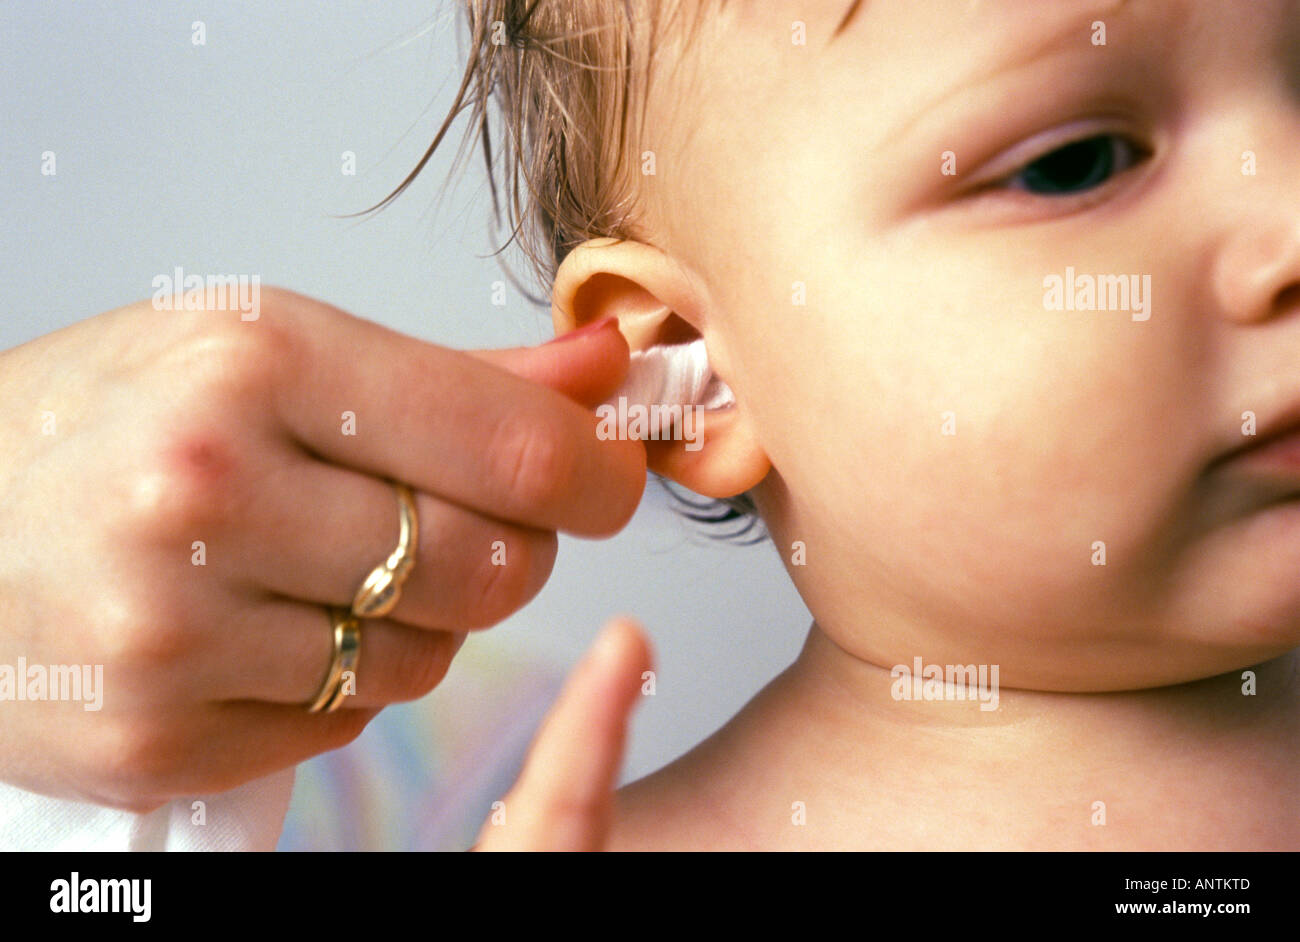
point(158, 645)
point(189, 486)
point(147, 637)
point(533, 459)
point(191, 471)
point(236, 361)
point(211, 357)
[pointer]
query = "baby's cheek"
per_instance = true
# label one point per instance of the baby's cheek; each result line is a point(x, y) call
point(1007, 512)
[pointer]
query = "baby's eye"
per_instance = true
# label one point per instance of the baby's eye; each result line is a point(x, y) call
point(1077, 167)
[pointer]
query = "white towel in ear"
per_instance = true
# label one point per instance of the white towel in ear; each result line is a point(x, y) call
point(676, 375)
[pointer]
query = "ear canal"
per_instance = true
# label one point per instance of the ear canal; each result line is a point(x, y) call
point(673, 375)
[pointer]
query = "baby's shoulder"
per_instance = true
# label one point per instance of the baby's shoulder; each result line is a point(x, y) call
point(685, 806)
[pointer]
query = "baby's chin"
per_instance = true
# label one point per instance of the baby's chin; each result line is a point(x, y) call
point(1225, 606)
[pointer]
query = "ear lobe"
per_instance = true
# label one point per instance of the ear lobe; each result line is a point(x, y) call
point(720, 457)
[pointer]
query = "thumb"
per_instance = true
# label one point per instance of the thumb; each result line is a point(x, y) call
point(587, 364)
point(564, 798)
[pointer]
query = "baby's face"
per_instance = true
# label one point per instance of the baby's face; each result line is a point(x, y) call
point(898, 240)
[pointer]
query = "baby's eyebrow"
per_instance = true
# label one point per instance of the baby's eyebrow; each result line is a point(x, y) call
point(1022, 50)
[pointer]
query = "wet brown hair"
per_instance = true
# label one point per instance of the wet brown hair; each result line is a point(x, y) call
point(570, 80)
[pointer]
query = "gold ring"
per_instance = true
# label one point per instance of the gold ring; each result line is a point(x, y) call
point(347, 653)
point(379, 592)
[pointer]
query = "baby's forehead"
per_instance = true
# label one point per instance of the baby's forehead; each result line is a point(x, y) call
point(892, 46)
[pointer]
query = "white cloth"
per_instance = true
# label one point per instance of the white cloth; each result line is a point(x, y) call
point(249, 817)
point(676, 375)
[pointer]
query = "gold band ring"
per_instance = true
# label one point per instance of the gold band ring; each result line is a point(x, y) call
point(347, 653)
point(379, 592)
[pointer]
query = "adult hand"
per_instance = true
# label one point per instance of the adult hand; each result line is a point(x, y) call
point(183, 492)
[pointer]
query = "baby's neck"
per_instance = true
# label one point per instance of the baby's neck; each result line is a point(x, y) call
point(1196, 766)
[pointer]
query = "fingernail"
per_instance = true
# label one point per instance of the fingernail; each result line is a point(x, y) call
point(586, 331)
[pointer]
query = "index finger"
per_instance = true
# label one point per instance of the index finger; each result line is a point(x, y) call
point(450, 424)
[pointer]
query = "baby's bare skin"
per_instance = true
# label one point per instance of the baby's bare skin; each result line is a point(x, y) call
point(871, 232)
point(1197, 767)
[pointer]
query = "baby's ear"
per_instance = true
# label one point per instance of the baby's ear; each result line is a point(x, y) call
point(707, 444)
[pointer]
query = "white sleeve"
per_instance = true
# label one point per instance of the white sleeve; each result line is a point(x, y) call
point(250, 817)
